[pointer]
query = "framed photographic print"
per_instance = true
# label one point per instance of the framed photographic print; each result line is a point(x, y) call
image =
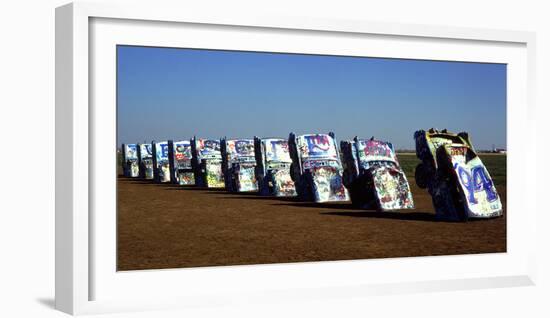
point(205, 158)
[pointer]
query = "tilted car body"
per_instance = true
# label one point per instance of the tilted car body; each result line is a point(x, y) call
point(207, 163)
point(239, 165)
point(181, 165)
point(273, 167)
point(145, 155)
point(373, 176)
point(130, 167)
point(161, 162)
point(316, 168)
point(455, 176)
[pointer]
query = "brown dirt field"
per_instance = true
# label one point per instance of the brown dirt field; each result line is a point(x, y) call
point(169, 226)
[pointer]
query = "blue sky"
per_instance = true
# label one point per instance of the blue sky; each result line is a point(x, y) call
point(166, 93)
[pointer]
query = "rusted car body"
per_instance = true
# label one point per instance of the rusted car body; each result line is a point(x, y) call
point(373, 176)
point(273, 167)
point(207, 162)
point(239, 165)
point(145, 156)
point(316, 168)
point(455, 176)
point(181, 165)
point(130, 166)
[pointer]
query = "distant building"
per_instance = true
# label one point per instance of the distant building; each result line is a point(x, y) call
point(498, 150)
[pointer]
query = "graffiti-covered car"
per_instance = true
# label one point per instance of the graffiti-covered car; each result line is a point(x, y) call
point(181, 165)
point(239, 165)
point(316, 168)
point(373, 176)
point(273, 167)
point(130, 167)
point(145, 155)
point(161, 162)
point(455, 176)
point(207, 162)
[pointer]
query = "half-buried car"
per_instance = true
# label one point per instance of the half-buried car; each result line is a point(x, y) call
point(273, 167)
point(145, 155)
point(130, 167)
point(239, 165)
point(373, 176)
point(207, 163)
point(161, 162)
point(316, 168)
point(455, 176)
point(181, 165)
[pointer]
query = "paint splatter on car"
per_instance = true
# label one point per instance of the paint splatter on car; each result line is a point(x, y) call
point(455, 176)
point(373, 175)
point(316, 168)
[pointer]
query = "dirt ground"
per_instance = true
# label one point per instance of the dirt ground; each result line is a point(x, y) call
point(169, 226)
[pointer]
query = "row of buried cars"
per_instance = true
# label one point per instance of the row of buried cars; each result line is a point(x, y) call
point(313, 168)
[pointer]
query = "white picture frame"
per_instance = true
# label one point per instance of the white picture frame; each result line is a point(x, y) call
point(86, 281)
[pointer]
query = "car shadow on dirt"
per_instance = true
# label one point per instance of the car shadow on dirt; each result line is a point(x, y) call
point(411, 216)
point(134, 180)
point(248, 196)
point(325, 205)
point(171, 186)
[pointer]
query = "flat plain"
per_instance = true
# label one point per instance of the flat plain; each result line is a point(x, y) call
point(171, 226)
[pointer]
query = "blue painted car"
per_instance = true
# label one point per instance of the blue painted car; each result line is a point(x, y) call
point(456, 178)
